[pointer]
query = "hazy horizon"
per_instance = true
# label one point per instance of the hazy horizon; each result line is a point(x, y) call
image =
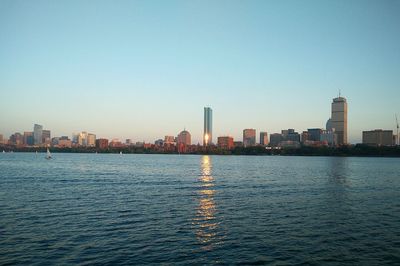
point(145, 69)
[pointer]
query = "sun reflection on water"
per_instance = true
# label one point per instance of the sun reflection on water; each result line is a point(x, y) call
point(205, 222)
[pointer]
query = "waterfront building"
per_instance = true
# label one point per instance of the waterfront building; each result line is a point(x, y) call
point(91, 140)
point(304, 136)
point(16, 139)
point(238, 144)
point(184, 138)
point(378, 137)
point(28, 138)
point(102, 143)
point(46, 136)
point(249, 137)
point(159, 142)
point(82, 138)
point(314, 134)
point(339, 119)
point(264, 138)
point(116, 143)
point(290, 135)
point(275, 139)
point(329, 137)
point(37, 134)
point(128, 142)
point(1, 139)
point(207, 136)
point(225, 142)
point(169, 140)
point(64, 143)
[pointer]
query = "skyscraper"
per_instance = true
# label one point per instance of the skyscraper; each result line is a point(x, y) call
point(37, 134)
point(207, 137)
point(249, 137)
point(339, 119)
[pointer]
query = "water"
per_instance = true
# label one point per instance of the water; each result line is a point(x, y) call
point(171, 209)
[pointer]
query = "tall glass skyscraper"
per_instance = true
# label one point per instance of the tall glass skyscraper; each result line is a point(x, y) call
point(37, 134)
point(207, 137)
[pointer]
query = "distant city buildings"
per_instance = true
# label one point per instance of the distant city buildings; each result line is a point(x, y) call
point(378, 137)
point(249, 137)
point(207, 136)
point(338, 119)
point(335, 134)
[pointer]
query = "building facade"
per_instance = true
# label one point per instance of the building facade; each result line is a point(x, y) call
point(102, 143)
point(378, 137)
point(37, 134)
point(184, 138)
point(249, 137)
point(225, 143)
point(207, 136)
point(264, 138)
point(339, 119)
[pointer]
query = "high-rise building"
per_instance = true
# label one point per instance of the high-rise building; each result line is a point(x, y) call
point(339, 119)
point(37, 134)
point(46, 136)
point(264, 138)
point(28, 138)
point(91, 140)
point(207, 137)
point(225, 143)
point(184, 138)
point(249, 137)
point(378, 137)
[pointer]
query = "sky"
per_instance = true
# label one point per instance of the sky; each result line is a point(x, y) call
point(146, 69)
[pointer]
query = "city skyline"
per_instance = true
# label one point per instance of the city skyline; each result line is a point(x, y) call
point(141, 70)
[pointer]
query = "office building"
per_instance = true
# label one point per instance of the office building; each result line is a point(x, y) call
point(339, 119)
point(264, 138)
point(102, 143)
point(290, 135)
point(378, 137)
point(37, 134)
point(16, 139)
point(328, 137)
point(28, 138)
point(1, 139)
point(225, 143)
point(207, 136)
point(91, 140)
point(314, 134)
point(275, 139)
point(249, 137)
point(184, 138)
point(46, 136)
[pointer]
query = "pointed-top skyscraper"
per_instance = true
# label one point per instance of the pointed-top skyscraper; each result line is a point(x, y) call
point(207, 136)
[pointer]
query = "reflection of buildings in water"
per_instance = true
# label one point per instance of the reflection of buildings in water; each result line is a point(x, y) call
point(205, 220)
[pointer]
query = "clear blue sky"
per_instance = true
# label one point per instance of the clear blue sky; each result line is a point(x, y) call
point(145, 69)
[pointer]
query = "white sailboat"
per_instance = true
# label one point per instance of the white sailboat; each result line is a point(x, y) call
point(48, 155)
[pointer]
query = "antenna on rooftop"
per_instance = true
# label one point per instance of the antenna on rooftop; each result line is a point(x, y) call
point(339, 93)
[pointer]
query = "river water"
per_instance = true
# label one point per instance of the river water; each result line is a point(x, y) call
point(189, 209)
